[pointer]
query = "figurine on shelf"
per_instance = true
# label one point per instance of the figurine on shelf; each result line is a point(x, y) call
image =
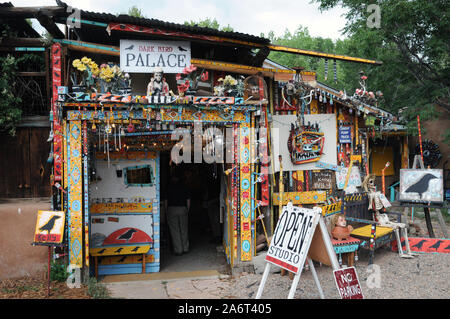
point(378, 201)
point(158, 84)
point(340, 230)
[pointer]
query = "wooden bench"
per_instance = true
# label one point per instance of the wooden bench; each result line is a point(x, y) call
point(119, 251)
point(355, 209)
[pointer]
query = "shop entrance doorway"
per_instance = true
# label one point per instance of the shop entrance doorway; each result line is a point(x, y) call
point(205, 230)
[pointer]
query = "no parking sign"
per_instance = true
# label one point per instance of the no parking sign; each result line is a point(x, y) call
point(348, 284)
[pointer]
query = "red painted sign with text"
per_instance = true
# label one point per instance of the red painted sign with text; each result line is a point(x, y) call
point(348, 284)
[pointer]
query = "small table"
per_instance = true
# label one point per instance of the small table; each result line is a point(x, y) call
point(347, 248)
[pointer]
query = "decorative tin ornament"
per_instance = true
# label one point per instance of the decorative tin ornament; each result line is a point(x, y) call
point(305, 143)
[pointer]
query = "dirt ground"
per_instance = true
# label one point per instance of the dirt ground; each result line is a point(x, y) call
point(36, 288)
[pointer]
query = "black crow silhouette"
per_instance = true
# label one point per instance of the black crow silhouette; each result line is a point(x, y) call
point(181, 49)
point(130, 47)
point(420, 244)
point(102, 251)
point(421, 186)
point(136, 248)
point(118, 250)
point(122, 259)
point(128, 234)
point(50, 224)
point(448, 247)
point(436, 244)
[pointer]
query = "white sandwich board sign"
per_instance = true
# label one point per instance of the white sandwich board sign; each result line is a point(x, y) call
point(297, 239)
point(292, 237)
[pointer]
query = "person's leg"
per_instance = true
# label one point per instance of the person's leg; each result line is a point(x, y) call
point(173, 219)
point(214, 214)
point(184, 230)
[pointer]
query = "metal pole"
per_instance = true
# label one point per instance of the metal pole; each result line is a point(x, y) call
point(48, 270)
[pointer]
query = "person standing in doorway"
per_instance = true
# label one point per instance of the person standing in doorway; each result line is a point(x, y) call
point(212, 202)
point(178, 203)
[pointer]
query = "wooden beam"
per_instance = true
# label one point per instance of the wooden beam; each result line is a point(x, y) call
point(196, 37)
point(31, 73)
point(237, 68)
point(50, 25)
point(22, 42)
point(30, 12)
point(330, 56)
point(90, 47)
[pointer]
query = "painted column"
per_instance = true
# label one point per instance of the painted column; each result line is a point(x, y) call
point(86, 193)
point(75, 200)
point(245, 186)
point(57, 133)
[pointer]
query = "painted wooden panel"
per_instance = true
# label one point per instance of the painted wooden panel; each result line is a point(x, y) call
point(312, 197)
point(421, 185)
point(245, 186)
point(75, 207)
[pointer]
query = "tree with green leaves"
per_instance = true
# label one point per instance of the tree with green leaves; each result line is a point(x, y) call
point(134, 11)
point(209, 23)
point(412, 39)
point(10, 112)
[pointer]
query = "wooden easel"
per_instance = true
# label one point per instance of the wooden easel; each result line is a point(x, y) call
point(318, 238)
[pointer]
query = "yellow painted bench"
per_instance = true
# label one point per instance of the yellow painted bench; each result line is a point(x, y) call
point(118, 251)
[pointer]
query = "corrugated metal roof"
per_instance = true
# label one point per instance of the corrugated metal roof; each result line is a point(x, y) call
point(154, 23)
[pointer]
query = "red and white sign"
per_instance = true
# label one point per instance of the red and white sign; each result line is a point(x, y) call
point(292, 237)
point(348, 284)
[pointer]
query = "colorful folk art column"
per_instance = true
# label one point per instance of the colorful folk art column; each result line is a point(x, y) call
point(56, 56)
point(245, 185)
point(75, 198)
point(86, 193)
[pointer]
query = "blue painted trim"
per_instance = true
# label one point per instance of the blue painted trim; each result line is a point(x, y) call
point(87, 45)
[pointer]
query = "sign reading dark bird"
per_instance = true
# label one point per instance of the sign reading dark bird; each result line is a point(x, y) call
point(130, 47)
point(127, 235)
point(421, 186)
point(50, 224)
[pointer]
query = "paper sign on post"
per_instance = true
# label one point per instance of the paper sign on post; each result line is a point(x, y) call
point(292, 237)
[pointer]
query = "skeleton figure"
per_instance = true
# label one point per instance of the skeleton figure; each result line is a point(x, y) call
point(378, 201)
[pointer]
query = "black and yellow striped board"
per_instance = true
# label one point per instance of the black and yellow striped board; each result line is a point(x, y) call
point(120, 250)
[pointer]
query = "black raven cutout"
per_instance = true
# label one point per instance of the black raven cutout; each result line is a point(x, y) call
point(421, 186)
point(128, 234)
point(50, 224)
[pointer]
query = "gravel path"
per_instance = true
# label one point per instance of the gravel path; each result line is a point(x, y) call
point(427, 276)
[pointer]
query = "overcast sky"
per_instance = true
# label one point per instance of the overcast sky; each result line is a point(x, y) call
point(246, 16)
